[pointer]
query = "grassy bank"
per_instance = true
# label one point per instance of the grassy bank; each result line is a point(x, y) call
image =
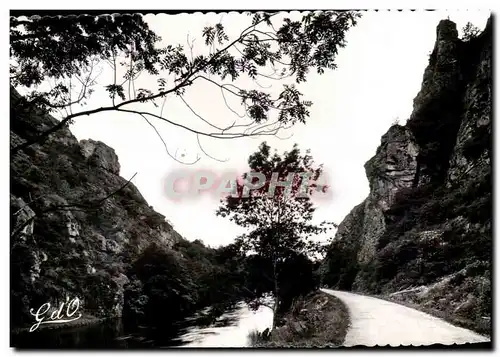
point(317, 320)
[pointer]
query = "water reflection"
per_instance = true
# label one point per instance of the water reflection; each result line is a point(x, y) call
point(241, 322)
point(204, 329)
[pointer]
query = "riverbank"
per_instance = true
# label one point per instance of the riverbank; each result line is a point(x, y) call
point(318, 320)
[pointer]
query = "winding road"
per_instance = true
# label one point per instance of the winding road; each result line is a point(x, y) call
point(379, 322)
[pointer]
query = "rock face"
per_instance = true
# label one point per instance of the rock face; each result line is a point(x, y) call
point(393, 167)
point(75, 223)
point(426, 224)
point(99, 154)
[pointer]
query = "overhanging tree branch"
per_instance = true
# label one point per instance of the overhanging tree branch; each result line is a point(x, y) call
point(165, 144)
point(306, 43)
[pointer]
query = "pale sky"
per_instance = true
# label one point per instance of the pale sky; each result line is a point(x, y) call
point(379, 73)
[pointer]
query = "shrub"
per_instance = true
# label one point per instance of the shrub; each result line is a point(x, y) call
point(469, 32)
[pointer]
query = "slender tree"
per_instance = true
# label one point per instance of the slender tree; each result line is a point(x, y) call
point(279, 218)
point(65, 52)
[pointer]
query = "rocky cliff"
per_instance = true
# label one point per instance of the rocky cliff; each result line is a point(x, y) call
point(76, 225)
point(423, 235)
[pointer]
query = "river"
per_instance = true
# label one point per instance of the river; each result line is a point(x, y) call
point(231, 329)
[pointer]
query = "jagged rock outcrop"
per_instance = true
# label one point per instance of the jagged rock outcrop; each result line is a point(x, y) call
point(75, 223)
point(392, 168)
point(99, 154)
point(424, 234)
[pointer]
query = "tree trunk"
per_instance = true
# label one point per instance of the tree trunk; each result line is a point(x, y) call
point(276, 296)
point(275, 310)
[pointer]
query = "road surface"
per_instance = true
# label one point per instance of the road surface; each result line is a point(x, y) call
point(379, 322)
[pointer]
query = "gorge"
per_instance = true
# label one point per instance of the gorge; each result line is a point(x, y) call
point(422, 237)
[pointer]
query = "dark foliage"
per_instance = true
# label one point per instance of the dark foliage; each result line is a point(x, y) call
point(434, 128)
point(470, 32)
point(167, 285)
point(69, 47)
point(61, 46)
point(341, 266)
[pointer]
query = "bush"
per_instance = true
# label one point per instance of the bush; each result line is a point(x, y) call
point(316, 320)
point(164, 292)
point(469, 32)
